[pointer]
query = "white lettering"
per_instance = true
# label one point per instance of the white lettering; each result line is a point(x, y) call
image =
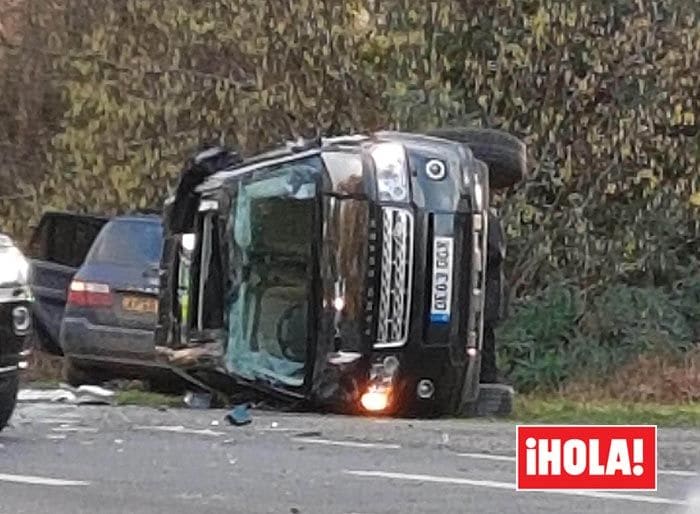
point(549, 458)
point(618, 458)
point(574, 457)
point(531, 456)
point(595, 468)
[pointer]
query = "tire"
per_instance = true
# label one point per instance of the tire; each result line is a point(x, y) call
point(9, 386)
point(505, 154)
point(494, 401)
point(76, 375)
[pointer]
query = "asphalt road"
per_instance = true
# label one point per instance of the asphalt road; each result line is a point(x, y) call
point(63, 459)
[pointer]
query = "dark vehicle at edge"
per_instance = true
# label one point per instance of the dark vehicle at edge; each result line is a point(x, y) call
point(349, 272)
point(15, 323)
point(110, 315)
point(57, 249)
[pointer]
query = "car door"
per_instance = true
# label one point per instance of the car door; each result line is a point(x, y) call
point(57, 249)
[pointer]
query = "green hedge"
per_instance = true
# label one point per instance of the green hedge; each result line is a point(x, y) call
point(561, 336)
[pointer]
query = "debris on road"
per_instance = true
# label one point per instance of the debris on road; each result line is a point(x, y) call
point(240, 415)
point(184, 357)
point(198, 400)
point(83, 395)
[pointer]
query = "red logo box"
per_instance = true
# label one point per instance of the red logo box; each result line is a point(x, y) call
point(598, 457)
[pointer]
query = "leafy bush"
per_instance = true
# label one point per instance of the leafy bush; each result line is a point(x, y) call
point(559, 336)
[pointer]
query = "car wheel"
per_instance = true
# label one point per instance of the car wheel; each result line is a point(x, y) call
point(503, 153)
point(76, 375)
point(9, 385)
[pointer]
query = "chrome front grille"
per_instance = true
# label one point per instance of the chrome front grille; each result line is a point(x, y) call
point(396, 278)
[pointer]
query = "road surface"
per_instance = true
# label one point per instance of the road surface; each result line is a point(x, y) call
point(65, 459)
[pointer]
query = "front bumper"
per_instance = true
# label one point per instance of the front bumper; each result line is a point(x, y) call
point(12, 340)
point(85, 340)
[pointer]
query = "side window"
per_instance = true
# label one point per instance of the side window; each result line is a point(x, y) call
point(64, 240)
point(84, 235)
point(60, 243)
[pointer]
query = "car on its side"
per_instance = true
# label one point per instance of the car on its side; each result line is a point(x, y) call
point(108, 326)
point(350, 273)
point(15, 322)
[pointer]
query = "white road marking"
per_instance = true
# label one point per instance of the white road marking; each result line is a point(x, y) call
point(511, 487)
point(85, 430)
point(509, 458)
point(273, 429)
point(349, 444)
point(32, 480)
point(179, 430)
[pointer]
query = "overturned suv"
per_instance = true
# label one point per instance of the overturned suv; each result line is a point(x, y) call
point(15, 322)
point(350, 273)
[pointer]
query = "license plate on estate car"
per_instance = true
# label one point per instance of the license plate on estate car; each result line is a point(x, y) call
point(440, 307)
point(140, 304)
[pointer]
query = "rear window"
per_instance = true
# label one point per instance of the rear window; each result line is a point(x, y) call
point(128, 242)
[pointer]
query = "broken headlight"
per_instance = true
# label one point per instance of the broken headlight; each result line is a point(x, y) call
point(391, 171)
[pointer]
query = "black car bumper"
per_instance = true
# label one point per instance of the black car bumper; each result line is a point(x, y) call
point(12, 340)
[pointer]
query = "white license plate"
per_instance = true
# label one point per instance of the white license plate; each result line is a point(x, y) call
point(443, 254)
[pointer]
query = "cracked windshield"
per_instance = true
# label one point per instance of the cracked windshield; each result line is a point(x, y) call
point(350, 256)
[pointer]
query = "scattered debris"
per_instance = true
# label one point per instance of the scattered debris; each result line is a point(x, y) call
point(85, 394)
point(240, 415)
point(45, 395)
point(92, 394)
point(215, 423)
point(198, 400)
point(186, 357)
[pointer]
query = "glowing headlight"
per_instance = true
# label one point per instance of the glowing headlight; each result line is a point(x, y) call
point(392, 171)
point(376, 399)
point(14, 268)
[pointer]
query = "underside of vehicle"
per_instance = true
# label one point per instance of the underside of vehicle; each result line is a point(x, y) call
point(348, 273)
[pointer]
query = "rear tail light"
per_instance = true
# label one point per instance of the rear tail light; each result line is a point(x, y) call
point(89, 294)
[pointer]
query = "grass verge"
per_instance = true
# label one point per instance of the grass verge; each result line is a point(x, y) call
point(531, 409)
point(148, 399)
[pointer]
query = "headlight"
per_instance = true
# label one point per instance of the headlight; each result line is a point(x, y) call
point(14, 268)
point(21, 320)
point(391, 172)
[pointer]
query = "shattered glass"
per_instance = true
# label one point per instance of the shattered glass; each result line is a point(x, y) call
point(272, 223)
